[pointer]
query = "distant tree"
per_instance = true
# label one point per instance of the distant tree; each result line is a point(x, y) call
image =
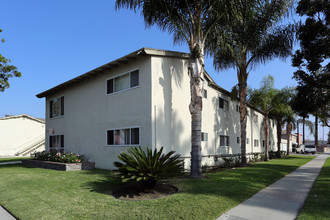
point(254, 36)
point(268, 99)
point(283, 113)
point(329, 137)
point(312, 60)
point(6, 71)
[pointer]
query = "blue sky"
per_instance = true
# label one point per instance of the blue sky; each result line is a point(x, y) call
point(53, 41)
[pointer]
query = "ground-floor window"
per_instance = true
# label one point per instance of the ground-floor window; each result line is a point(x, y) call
point(256, 143)
point(123, 136)
point(224, 140)
point(56, 142)
point(204, 136)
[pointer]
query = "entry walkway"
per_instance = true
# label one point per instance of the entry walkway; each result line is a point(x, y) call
point(281, 200)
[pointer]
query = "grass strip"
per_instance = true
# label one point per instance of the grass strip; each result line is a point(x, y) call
point(12, 159)
point(33, 193)
point(317, 205)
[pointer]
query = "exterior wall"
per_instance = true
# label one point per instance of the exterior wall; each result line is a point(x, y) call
point(89, 112)
point(171, 120)
point(15, 132)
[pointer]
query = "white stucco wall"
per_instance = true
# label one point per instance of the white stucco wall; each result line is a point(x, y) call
point(16, 131)
point(171, 120)
point(89, 112)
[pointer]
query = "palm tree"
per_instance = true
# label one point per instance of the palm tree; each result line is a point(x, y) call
point(290, 124)
point(283, 113)
point(252, 37)
point(269, 100)
point(190, 22)
point(308, 123)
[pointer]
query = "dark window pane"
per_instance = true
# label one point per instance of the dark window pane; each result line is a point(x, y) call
point(135, 136)
point(51, 109)
point(220, 103)
point(62, 141)
point(62, 105)
point(134, 78)
point(110, 137)
point(110, 86)
point(50, 141)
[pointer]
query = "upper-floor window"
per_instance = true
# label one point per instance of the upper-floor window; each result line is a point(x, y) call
point(56, 107)
point(123, 136)
point(224, 104)
point(204, 136)
point(204, 93)
point(256, 142)
point(255, 118)
point(123, 82)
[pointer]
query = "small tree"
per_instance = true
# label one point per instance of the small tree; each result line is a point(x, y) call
point(7, 71)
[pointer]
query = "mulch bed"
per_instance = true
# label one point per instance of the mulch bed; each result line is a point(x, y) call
point(133, 192)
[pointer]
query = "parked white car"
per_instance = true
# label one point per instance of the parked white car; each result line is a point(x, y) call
point(306, 149)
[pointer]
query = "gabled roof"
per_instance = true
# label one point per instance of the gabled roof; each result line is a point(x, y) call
point(113, 64)
point(7, 117)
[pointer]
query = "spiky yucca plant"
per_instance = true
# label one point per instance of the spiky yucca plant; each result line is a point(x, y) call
point(147, 166)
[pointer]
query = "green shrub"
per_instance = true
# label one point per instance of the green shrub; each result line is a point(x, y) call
point(237, 161)
point(147, 166)
point(272, 154)
point(58, 156)
point(255, 157)
point(228, 161)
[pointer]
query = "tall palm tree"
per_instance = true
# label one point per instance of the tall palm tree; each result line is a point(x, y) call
point(190, 22)
point(290, 125)
point(252, 37)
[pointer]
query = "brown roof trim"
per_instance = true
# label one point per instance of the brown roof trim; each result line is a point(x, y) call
point(113, 64)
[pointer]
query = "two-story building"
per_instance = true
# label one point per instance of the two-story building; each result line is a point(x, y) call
point(142, 99)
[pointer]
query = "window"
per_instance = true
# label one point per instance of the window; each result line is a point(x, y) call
point(123, 82)
point(224, 104)
point(56, 107)
point(56, 142)
point(263, 143)
point(205, 93)
point(237, 108)
point(224, 140)
point(247, 141)
point(256, 142)
point(204, 136)
point(238, 140)
point(255, 118)
point(126, 136)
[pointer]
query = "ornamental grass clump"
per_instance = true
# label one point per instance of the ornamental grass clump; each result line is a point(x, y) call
point(57, 156)
point(146, 167)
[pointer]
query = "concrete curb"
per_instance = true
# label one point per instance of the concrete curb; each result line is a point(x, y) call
point(4, 215)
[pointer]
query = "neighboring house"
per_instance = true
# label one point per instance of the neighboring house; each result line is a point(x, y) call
point(294, 139)
point(142, 99)
point(21, 135)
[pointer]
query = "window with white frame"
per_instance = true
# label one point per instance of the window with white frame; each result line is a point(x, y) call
point(123, 136)
point(224, 140)
point(224, 104)
point(255, 118)
point(56, 107)
point(204, 93)
point(123, 82)
point(238, 140)
point(56, 142)
point(256, 143)
point(204, 136)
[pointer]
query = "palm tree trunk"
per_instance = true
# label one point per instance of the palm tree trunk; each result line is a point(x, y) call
point(316, 131)
point(303, 130)
point(279, 137)
point(298, 134)
point(266, 137)
point(242, 79)
point(196, 70)
point(288, 137)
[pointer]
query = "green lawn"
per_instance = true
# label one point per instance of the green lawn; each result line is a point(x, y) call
point(317, 205)
point(2, 160)
point(33, 193)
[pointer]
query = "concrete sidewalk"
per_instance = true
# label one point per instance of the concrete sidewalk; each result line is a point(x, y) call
point(4, 215)
point(281, 200)
point(13, 162)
